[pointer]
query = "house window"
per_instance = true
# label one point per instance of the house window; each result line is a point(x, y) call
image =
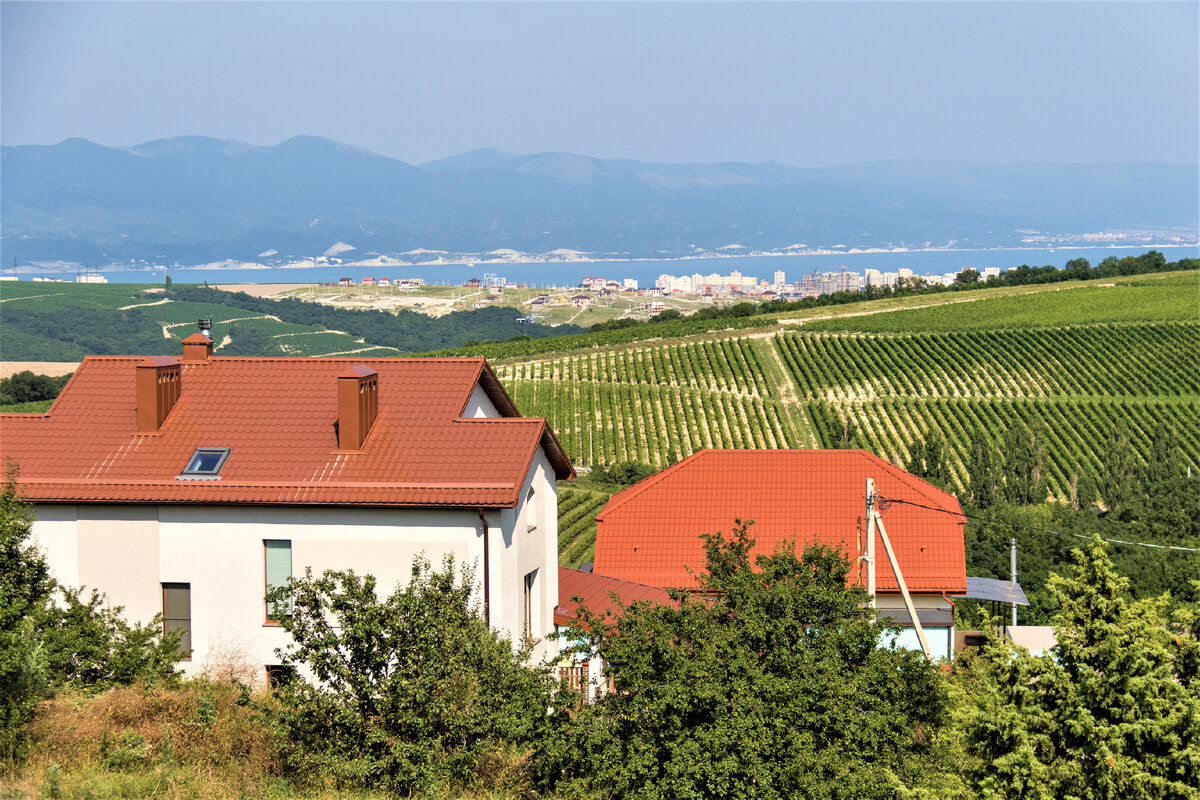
point(530, 605)
point(530, 511)
point(279, 675)
point(205, 464)
point(278, 559)
point(177, 615)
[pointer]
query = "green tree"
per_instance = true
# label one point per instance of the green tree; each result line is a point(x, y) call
point(1119, 481)
point(967, 276)
point(767, 681)
point(44, 643)
point(983, 473)
point(928, 459)
point(1166, 460)
point(1113, 711)
point(25, 589)
point(88, 643)
point(1025, 462)
point(1085, 490)
point(408, 692)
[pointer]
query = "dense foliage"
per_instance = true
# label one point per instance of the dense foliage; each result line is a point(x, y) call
point(1168, 515)
point(767, 681)
point(410, 692)
point(27, 387)
point(1112, 711)
point(47, 642)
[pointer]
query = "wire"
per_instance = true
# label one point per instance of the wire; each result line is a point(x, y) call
point(1037, 528)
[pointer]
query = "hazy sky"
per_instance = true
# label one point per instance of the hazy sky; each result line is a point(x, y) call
point(803, 83)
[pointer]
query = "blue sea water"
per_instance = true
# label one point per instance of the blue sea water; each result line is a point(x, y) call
point(933, 262)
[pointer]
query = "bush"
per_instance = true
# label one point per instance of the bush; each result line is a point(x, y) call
point(767, 682)
point(409, 693)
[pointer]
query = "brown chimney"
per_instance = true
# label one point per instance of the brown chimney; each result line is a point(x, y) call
point(197, 348)
point(158, 389)
point(358, 405)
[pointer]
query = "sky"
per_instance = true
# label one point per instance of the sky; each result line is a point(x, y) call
point(807, 84)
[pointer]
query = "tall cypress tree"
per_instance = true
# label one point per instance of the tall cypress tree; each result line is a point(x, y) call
point(983, 477)
point(1119, 480)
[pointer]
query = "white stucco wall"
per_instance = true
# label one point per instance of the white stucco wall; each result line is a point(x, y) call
point(516, 551)
point(128, 552)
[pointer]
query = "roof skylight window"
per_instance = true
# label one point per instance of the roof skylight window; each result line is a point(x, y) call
point(205, 464)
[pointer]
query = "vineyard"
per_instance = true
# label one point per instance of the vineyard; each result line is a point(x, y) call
point(662, 403)
point(577, 510)
point(880, 391)
point(1162, 297)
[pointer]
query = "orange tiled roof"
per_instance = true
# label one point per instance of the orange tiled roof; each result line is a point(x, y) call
point(650, 532)
point(594, 591)
point(277, 417)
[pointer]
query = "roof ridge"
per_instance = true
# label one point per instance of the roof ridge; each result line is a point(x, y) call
point(914, 482)
point(618, 580)
point(629, 492)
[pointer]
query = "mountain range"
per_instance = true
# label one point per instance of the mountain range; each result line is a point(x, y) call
point(195, 199)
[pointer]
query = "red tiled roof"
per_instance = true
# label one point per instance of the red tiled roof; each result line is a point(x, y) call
point(594, 590)
point(277, 417)
point(650, 532)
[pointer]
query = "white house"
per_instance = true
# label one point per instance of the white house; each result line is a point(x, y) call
point(189, 487)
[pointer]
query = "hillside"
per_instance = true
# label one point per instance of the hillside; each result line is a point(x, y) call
point(194, 199)
point(1069, 355)
point(66, 321)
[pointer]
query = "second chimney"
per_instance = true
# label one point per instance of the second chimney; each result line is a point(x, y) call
point(358, 405)
point(197, 348)
point(158, 389)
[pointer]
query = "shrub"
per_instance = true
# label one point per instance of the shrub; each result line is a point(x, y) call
point(408, 693)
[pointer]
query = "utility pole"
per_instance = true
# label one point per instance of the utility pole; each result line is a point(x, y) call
point(871, 540)
point(874, 519)
point(1012, 543)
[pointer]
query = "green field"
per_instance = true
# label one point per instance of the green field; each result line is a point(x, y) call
point(1163, 297)
point(1081, 360)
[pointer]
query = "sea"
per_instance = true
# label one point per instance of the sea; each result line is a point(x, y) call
point(645, 272)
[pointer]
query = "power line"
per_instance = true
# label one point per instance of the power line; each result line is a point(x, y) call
point(888, 501)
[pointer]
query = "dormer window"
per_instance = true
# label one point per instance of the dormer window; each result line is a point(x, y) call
point(205, 464)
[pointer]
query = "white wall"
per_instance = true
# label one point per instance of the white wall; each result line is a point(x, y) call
point(516, 551)
point(127, 552)
point(479, 405)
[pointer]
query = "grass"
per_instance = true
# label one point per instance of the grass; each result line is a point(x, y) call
point(197, 740)
point(1148, 298)
point(30, 407)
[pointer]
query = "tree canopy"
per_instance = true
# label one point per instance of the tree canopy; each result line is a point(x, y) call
point(1113, 711)
point(767, 681)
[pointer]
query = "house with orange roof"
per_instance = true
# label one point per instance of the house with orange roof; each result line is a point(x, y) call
point(189, 487)
point(650, 532)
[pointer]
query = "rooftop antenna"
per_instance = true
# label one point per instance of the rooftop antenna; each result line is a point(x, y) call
point(205, 325)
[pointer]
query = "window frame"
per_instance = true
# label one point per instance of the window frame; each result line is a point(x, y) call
point(268, 622)
point(529, 585)
point(531, 510)
point(167, 620)
point(191, 473)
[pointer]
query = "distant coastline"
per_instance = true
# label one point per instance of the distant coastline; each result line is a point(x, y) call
point(514, 257)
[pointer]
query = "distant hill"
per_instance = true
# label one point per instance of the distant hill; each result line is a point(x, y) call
point(196, 199)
